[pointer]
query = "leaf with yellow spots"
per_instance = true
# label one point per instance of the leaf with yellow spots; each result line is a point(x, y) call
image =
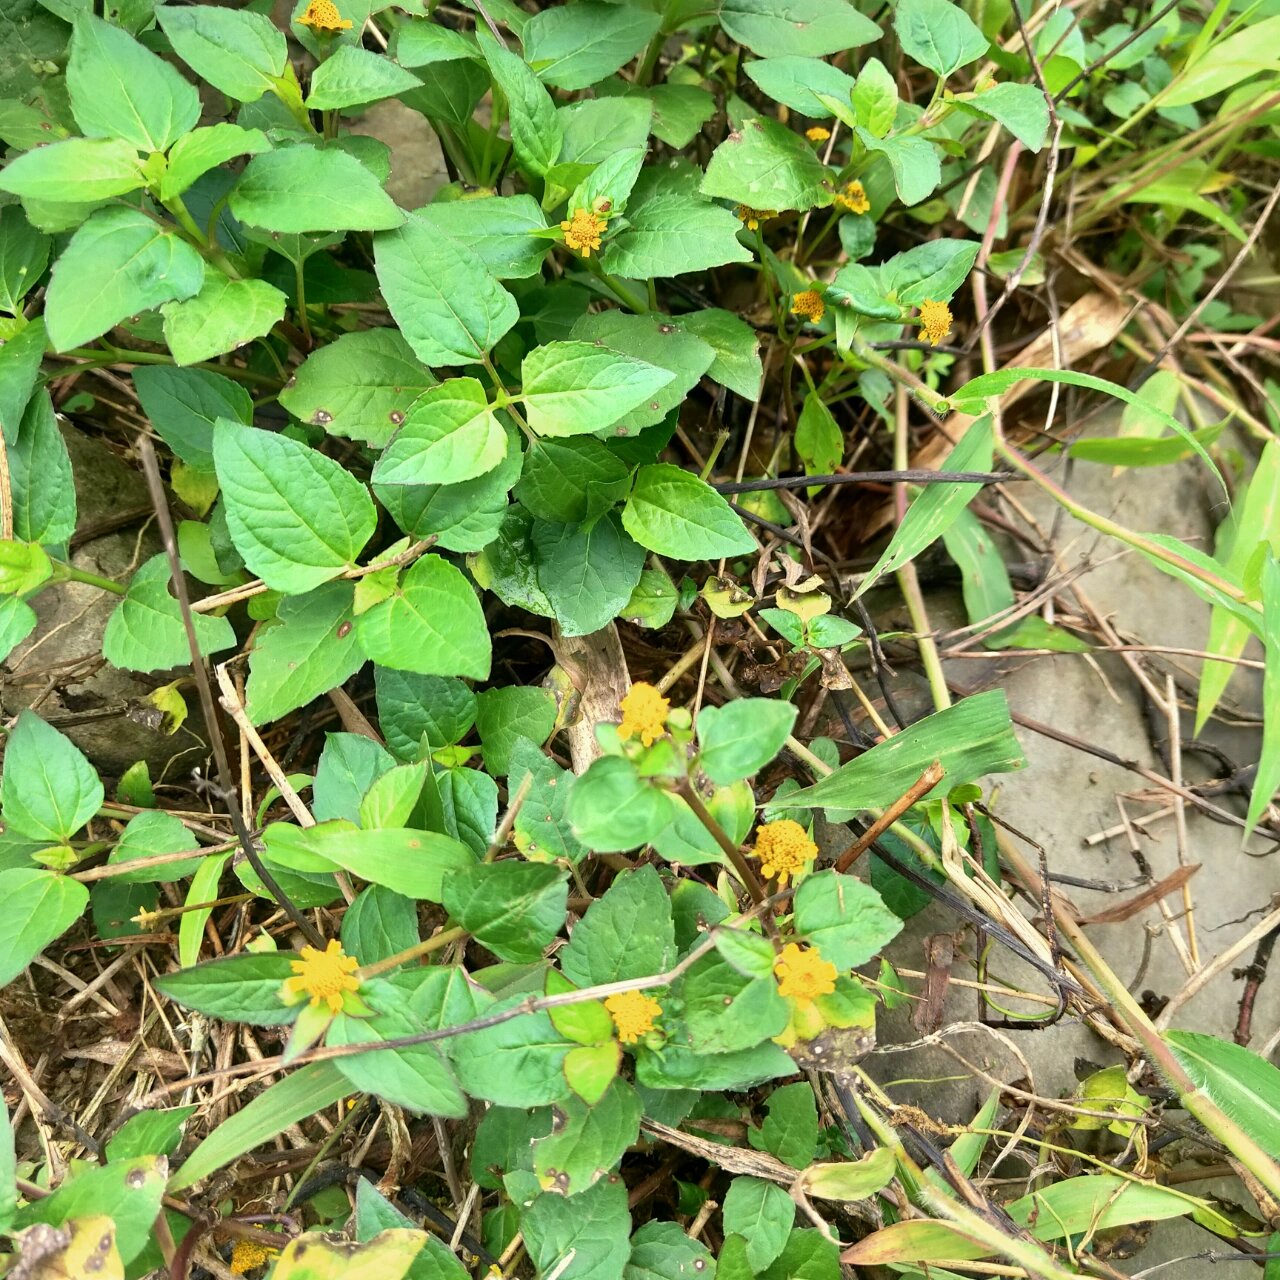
point(388, 1256)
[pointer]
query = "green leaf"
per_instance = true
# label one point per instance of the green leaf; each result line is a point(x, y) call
point(671, 229)
point(737, 363)
point(419, 42)
point(504, 716)
point(197, 152)
point(1237, 1080)
point(224, 315)
point(518, 1063)
point(48, 790)
point(119, 89)
point(762, 1213)
point(818, 439)
point(571, 481)
point(931, 513)
point(662, 1251)
point(183, 404)
point(1268, 780)
point(149, 834)
point(725, 1012)
point(542, 829)
point(40, 479)
point(449, 435)
point(242, 988)
point(938, 34)
point(586, 1142)
point(1225, 63)
point(742, 737)
point(297, 517)
point(844, 918)
point(303, 188)
point(349, 765)
point(17, 621)
point(433, 624)
point(972, 738)
point(514, 909)
point(359, 386)
point(449, 306)
point(573, 48)
point(87, 169)
point(501, 230)
point(570, 388)
point(587, 573)
point(352, 76)
point(417, 1079)
point(679, 112)
point(673, 513)
point(239, 52)
point(766, 166)
point(930, 272)
point(379, 924)
point(1021, 108)
point(612, 809)
point(913, 162)
point(802, 28)
point(203, 888)
point(583, 1238)
point(119, 262)
point(146, 632)
point(23, 254)
point(314, 647)
point(626, 933)
point(149, 1133)
point(300, 1094)
point(536, 131)
point(790, 1130)
point(795, 82)
point(410, 706)
point(875, 98)
point(40, 905)
point(20, 360)
point(808, 1255)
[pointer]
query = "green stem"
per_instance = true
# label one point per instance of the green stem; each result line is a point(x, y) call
point(93, 357)
point(617, 288)
point(904, 377)
point(299, 276)
point(207, 245)
point(64, 572)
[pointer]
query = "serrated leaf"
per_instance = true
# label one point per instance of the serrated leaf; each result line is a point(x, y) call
point(612, 809)
point(224, 315)
point(628, 932)
point(449, 435)
point(766, 166)
point(844, 918)
point(673, 513)
point(514, 909)
point(790, 1130)
point(573, 48)
point(40, 479)
point(795, 82)
point(17, 621)
point(88, 169)
point(1021, 108)
point(587, 573)
point(536, 131)
point(197, 152)
point(762, 1214)
point(183, 404)
point(662, 1251)
point(913, 161)
point(505, 716)
point(23, 254)
point(411, 706)
point(938, 34)
point(517, 1063)
point(40, 906)
point(239, 52)
point(742, 736)
point(585, 1238)
point(297, 517)
point(571, 481)
point(586, 1142)
point(352, 76)
point(48, 790)
point(148, 834)
point(807, 28)
point(501, 230)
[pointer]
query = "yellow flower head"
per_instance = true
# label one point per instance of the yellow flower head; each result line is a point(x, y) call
point(817, 133)
point(323, 15)
point(582, 232)
point(853, 198)
point(322, 977)
point(935, 322)
point(644, 714)
point(803, 974)
point(633, 1013)
point(249, 1254)
point(809, 304)
point(783, 848)
point(752, 218)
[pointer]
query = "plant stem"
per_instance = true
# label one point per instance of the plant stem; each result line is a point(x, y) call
point(300, 283)
point(437, 942)
point(63, 572)
point(721, 837)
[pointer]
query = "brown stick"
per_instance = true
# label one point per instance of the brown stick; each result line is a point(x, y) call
point(921, 786)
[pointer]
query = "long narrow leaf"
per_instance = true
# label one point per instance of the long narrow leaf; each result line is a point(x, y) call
point(1268, 779)
point(1243, 1085)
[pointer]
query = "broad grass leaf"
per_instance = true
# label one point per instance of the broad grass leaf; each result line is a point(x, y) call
point(48, 789)
point(237, 51)
point(40, 905)
point(972, 738)
point(433, 624)
point(1237, 1080)
point(1249, 52)
point(933, 510)
point(120, 89)
point(297, 517)
point(300, 1094)
point(203, 888)
point(450, 307)
point(302, 188)
point(119, 262)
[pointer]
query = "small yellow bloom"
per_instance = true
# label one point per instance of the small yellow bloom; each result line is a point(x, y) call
point(644, 714)
point(248, 1255)
point(935, 321)
point(810, 305)
point(323, 977)
point(752, 218)
point(582, 232)
point(803, 974)
point(633, 1013)
point(783, 848)
point(817, 133)
point(853, 198)
point(323, 15)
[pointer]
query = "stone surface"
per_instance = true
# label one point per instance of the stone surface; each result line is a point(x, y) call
point(417, 164)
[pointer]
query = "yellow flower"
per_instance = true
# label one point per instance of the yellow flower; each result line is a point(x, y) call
point(644, 714)
point(249, 1254)
point(853, 198)
point(783, 848)
point(935, 321)
point(754, 217)
point(803, 974)
point(323, 15)
point(809, 304)
point(322, 976)
point(817, 133)
point(633, 1013)
point(582, 232)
